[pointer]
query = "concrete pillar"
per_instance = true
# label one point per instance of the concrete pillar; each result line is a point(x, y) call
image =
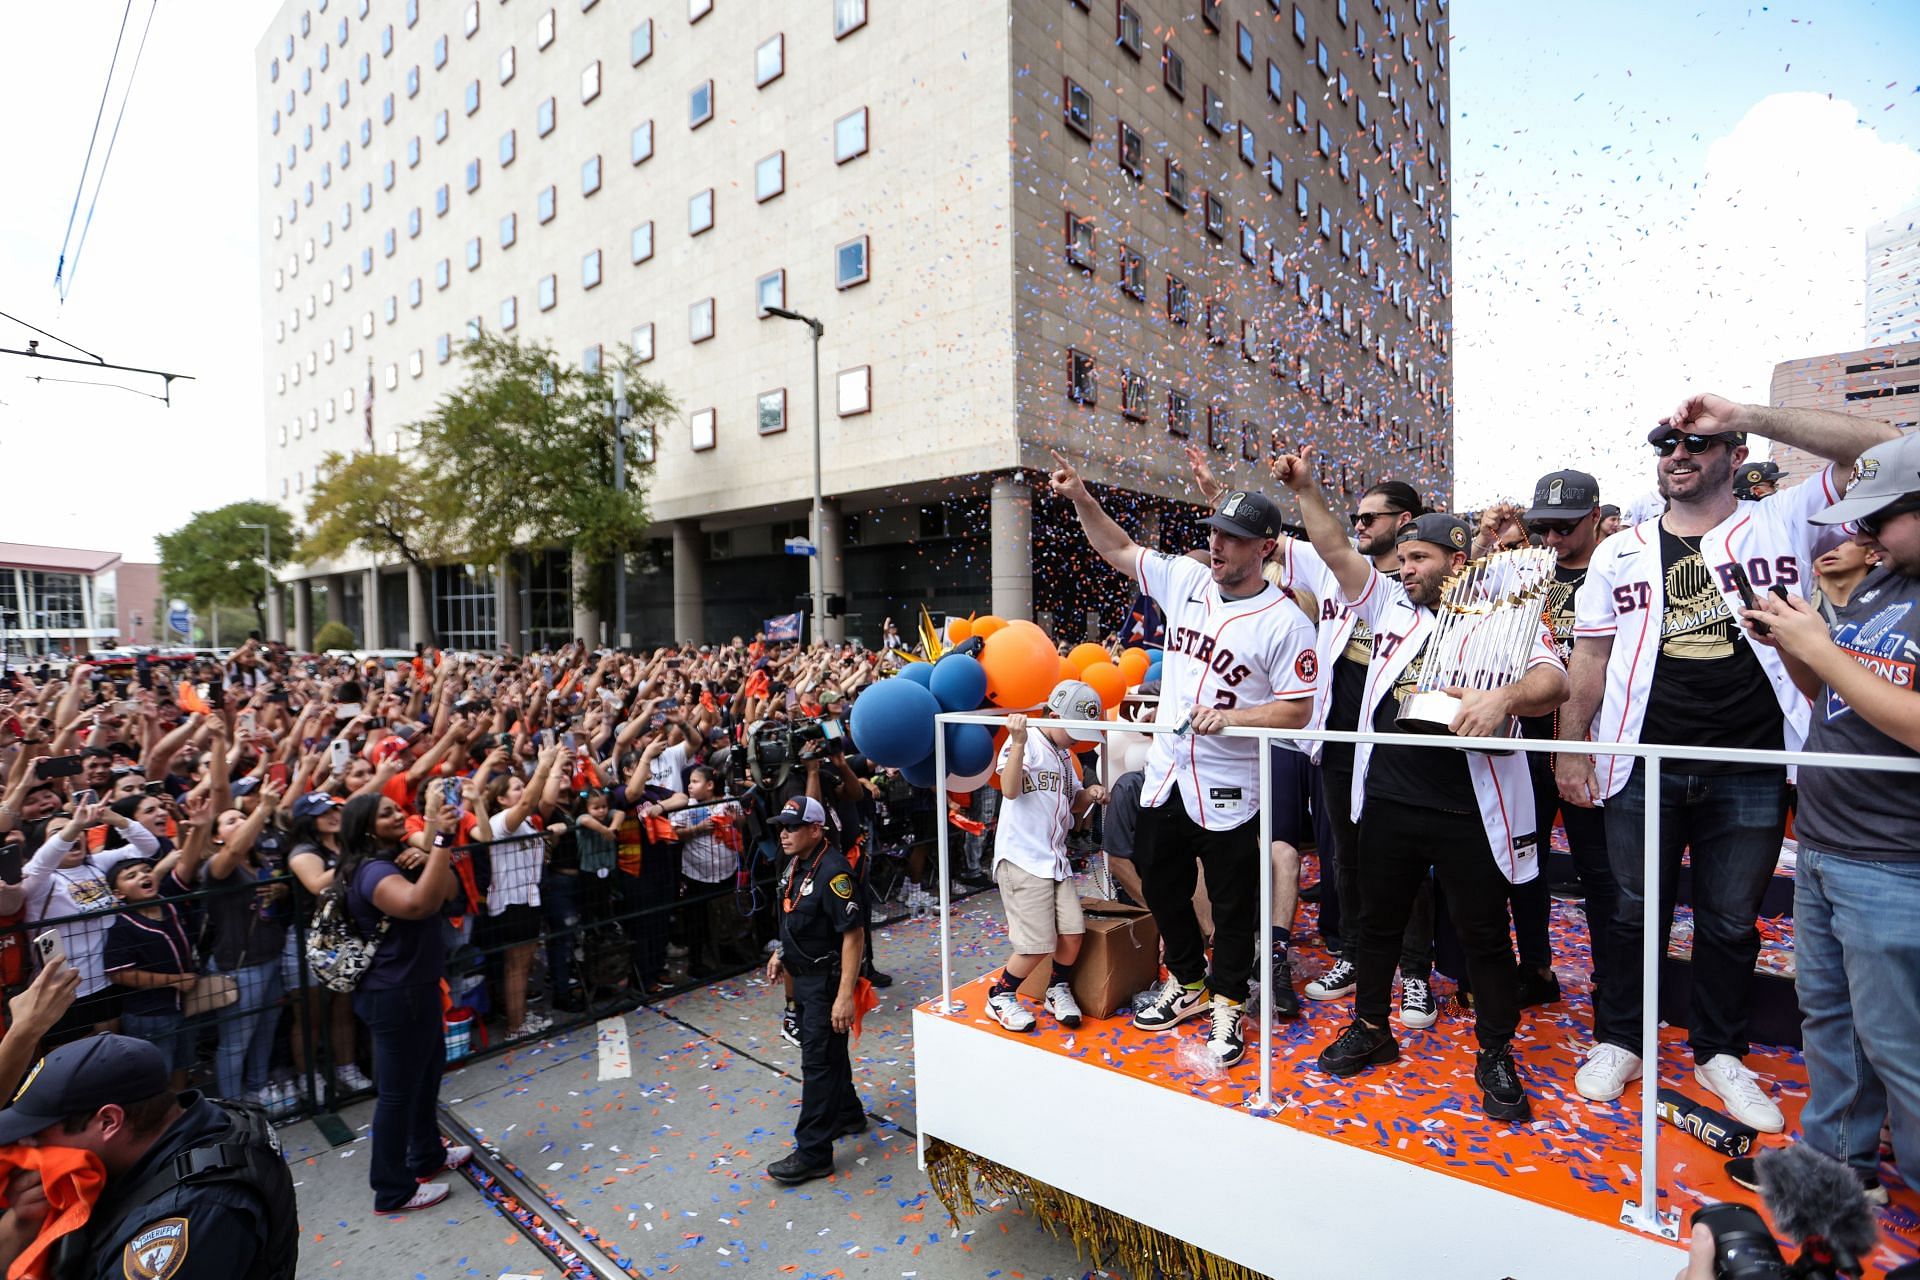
point(276, 614)
point(1010, 520)
point(337, 598)
point(689, 572)
point(586, 618)
point(303, 614)
point(833, 568)
point(506, 594)
point(370, 610)
point(419, 609)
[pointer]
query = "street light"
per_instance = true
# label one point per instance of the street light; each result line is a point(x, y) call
point(819, 564)
point(622, 413)
point(266, 565)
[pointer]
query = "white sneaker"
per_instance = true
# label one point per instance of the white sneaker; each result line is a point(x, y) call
point(1007, 1010)
point(428, 1195)
point(1606, 1072)
point(1062, 1005)
point(1736, 1086)
point(537, 1024)
point(352, 1078)
point(1417, 1007)
point(1335, 982)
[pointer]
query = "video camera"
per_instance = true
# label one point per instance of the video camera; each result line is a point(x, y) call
point(773, 747)
point(1814, 1200)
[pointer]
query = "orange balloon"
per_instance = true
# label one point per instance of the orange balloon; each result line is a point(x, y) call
point(987, 624)
point(1085, 655)
point(1105, 679)
point(1133, 665)
point(1067, 670)
point(959, 629)
point(1021, 666)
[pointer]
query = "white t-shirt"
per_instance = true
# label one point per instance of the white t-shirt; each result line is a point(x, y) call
point(1224, 654)
point(54, 892)
point(1032, 832)
point(517, 861)
point(669, 769)
point(704, 857)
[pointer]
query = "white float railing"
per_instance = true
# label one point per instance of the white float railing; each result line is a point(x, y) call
point(1643, 1214)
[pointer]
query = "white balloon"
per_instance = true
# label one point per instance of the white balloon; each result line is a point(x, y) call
point(957, 783)
point(1130, 751)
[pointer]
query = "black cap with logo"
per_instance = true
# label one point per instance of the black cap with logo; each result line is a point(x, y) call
point(1449, 533)
point(1564, 495)
point(79, 1078)
point(1247, 515)
point(1754, 474)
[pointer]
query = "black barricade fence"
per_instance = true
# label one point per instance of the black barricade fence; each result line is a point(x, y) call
point(579, 942)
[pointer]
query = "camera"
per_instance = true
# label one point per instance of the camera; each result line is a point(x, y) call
point(1743, 1244)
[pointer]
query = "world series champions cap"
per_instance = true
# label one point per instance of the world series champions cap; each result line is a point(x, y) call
point(1563, 495)
point(80, 1078)
point(1247, 515)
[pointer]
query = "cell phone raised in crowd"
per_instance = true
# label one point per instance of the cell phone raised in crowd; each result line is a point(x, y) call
point(1747, 598)
point(376, 722)
point(340, 754)
point(158, 787)
point(669, 704)
point(544, 738)
point(277, 773)
point(571, 741)
point(57, 767)
point(673, 662)
point(216, 695)
point(277, 695)
point(84, 797)
point(47, 947)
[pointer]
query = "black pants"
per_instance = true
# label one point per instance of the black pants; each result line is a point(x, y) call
point(828, 1102)
point(1176, 849)
point(1587, 840)
point(409, 1053)
point(1399, 844)
point(1343, 852)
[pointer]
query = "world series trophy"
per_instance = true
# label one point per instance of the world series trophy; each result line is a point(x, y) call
point(1490, 614)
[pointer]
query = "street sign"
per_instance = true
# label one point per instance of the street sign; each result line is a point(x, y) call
point(180, 618)
point(801, 547)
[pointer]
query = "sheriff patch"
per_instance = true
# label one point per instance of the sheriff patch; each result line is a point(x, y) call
point(842, 886)
point(157, 1252)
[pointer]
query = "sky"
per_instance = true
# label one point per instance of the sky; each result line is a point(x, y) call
point(1645, 201)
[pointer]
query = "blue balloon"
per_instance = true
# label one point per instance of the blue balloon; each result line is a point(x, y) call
point(1154, 656)
point(893, 722)
point(919, 774)
point(959, 682)
point(969, 749)
point(921, 673)
point(1153, 673)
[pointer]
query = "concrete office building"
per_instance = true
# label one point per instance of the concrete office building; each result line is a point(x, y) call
point(1893, 279)
point(1109, 227)
point(1881, 383)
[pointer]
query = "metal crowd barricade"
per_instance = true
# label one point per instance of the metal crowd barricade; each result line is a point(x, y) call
point(1643, 1214)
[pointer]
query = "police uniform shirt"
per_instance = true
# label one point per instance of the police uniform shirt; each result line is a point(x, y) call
point(218, 1231)
point(825, 903)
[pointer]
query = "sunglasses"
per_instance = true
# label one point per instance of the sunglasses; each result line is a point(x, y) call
point(1541, 528)
point(1693, 444)
point(1364, 519)
point(1873, 524)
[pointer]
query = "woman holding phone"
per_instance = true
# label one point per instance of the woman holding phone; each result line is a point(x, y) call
point(399, 998)
point(249, 934)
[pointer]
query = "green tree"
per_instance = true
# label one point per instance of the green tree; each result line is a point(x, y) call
point(213, 560)
point(521, 455)
point(378, 503)
point(333, 635)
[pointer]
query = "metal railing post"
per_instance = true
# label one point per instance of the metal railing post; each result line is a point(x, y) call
point(946, 885)
point(1645, 1213)
point(1263, 944)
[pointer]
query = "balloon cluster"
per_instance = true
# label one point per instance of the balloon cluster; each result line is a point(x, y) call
point(993, 663)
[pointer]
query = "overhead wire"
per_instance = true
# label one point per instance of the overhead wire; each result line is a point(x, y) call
point(107, 159)
point(86, 166)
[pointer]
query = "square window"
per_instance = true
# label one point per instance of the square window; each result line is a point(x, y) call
point(1216, 427)
point(543, 30)
point(509, 147)
point(443, 348)
point(416, 365)
point(1214, 110)
point(1128, 32)
point(547, 292)
point(413, 81)
point(770, 177)
point(854, 390)
point(698, 9)
point(700, 104)
point(509, 312)
point(850, 136)
point(700, 213)
point(590, 176)
point(1246, 142)
point(544, 204)
point(1249, 241)
point(1299, 112)
point(413, 152)
point(771, 411)
point(508, 64)
point(1219, 322)
point(590, 359)
point(590, 81)
point(1216, 215)
point(1243, 44)
point(642, 242)
point(1179, 301)
point(850, 265)
point(1301, 203)
point(1276, 83)
point(1325, 141)
point(509, 230)
point(1179, 412)
point(640, 44)
point(1079, 241)
point(641, 340)
point(1081, 385)
point(473, 254)
point(1132, 150)
point(769, 61)
point(700, 320)
point(1210, 14)
point(590, 270)
point(1133, 274)
point(641, 144)
point(1133, 395)
point(1176, 190)
point(1299, 26)
point(543, 117)
point(472, 97)
point(439, 52)
point(1173, 71)
point(1078, 104)
point(700, 430)
point(473, 175)
point(1320, 56)
point(848, 17)
point(770, 290)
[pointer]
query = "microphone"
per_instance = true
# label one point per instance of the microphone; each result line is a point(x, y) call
point(1817, 1201)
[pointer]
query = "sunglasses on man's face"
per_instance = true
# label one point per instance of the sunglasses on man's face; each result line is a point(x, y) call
point(1693, 444)
point(1873, 524)
point(1563, 528)
point(1365, 519)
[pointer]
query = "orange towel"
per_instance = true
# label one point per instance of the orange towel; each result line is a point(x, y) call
point(189, 700)
point(863, 1001)
point(73, 1179)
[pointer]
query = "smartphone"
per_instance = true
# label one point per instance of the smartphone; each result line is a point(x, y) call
point(85, 796)
point(570, 741)
point(673, 662)
point(545, 738)
point(277, 774)
point(216, 695)
point(57, 767)
point(450, 792)
point(340, 754)
point(157, 787)
point(833, 729)
point(1747, 598)
point(668, 704)
point(47, 947)
point(376, 722)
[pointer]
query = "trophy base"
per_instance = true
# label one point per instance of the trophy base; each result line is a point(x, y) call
point(1433, 712)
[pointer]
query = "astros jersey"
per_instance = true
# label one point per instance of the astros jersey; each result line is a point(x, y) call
point(1225, 654)
point(1032, 831)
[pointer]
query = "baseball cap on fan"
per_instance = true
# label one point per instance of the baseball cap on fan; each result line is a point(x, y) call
point(1246, 515)
point(801, 811)
point(1563, 495)
point(1450, 533)
point(1886, 473)
point(1076, 700)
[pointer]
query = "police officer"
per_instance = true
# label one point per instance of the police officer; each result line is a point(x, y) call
point(196, 1189)
point(821, 918)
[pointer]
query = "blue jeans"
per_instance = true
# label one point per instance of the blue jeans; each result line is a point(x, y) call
point(409, 1052)
point(1732, 823)
point(167, 1032)
point(246, 1029)
point(1856, 943)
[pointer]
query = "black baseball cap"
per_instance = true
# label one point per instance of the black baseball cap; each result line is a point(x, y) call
point(1246, 515)
point(1564, 495)
point(1608, 509)
point(79, 1078)
point(1449, 533)
point(1755, 473)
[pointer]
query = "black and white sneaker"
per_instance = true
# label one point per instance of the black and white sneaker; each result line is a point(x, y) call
point(1061, 1004)
point(1417, 1007)
point(1172, 1006)
point(1006, 1009)
point(1501, 1093)
point(1335, 982)
point(1227, 1041)
point(790, 1026)
point(1286, 1002)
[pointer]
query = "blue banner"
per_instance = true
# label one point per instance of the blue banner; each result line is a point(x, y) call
point(785, 627)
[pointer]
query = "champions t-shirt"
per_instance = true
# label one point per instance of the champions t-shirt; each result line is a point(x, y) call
point(1349, 692)
point(1432, 779)
point(1708, 688)
point(1559, 618)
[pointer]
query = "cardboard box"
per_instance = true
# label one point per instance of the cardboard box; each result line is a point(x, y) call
point(1120, 955)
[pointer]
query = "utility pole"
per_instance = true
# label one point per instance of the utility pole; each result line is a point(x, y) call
point(622, 414)
point(819, 519)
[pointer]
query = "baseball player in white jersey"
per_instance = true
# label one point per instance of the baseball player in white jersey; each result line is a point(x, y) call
point(1466, 817)
point(1660, 657)
point(1238, 654)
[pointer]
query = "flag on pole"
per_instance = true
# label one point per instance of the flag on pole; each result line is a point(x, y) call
point(369, 406)
point(784, 627)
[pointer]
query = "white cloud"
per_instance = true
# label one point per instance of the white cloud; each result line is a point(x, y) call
point(1586, 309)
